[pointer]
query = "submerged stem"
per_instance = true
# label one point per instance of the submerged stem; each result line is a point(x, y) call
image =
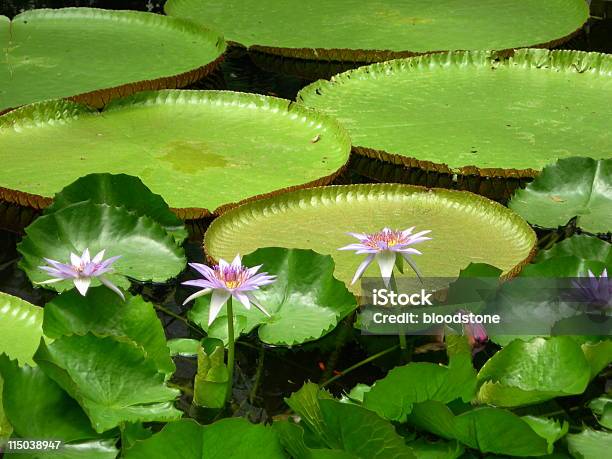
point(258, 372)
point(359, 364)
point(230, 348)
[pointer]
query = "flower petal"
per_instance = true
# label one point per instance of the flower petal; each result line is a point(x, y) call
point(386, 261)
point(50, 281)
point(85, 258)
point(75, 259)
point(82, 284)
point(203, 270)
point(99, 257)
point(237, 262)
point(413, 265)
point(243, 298)
point(362, 267)
point(111, 286)
point(198, 294)
point(219, 298)
point(258, 305)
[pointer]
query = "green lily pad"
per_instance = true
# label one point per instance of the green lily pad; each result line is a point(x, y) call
point(232, 437)
point(120, 191)
point(474, 112)
point(200, 150)
point(465, 227)
point(602, 407)
point(490, 430)
point(590, 444)
point(148, 252)
point(113, 380)
point(20, 328)
point(72, 52)
point(341, 428)
point(580, 245)
point(103, 313)
point(514, 376)
point(573, 187)
point(305, 303)
point(38, 408)
point(394, 396)
point(354, 30)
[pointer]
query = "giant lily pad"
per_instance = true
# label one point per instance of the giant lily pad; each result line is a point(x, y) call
point(148, 252)
point(465, 227)
point(573, 187)
point(198, 149)
point(74, 52)
point(474, 112)
point(20, 328)
point(369, 31)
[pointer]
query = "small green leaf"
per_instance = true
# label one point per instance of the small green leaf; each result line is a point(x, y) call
point(103, 313)
point(490, 430)
point(514, 376)
point(121, 190)
point(572, 187)
point(394, 396)
point(147, 252)
point(20, 328)
point(590, 444)
point(113, 380)
point(212, 378)
point(185, 347)
point(228, 438)
point(602, 407)
point(305, 303)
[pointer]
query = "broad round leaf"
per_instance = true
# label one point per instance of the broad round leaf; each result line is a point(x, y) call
point(73, 52)
point(535, 371)
point(474, 112)
point(113, 380)
point(20, 328)
point(356, 30)
point(573, 187)
point(103, 313)
point(186, 439)
point(198, 149)
point(147, 252)
point(465, 227)
point(120, 191)
point(305, 303)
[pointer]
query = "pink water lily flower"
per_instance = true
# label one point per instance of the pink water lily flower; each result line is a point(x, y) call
point(384, 247)
point(81, 271)
point(229, 280)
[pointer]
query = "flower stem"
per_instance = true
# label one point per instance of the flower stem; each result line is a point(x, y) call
point(230, 348)
point(401, 334)
point(258, 372)
point(358, 364)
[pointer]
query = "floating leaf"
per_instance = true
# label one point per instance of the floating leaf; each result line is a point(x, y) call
point(581, 246)
point(212, 378)
point(590, 444)
point(38, 408)
point(185, 145)
point(70, 53)
point(185, 347)
point(366, 31)
point(103, 313)
point(20, 328)
point(490, 430)
point(515, 375)
point(120, 191)
point(305, 302)
point(147, 252)
point(602, 407)
point(412, 113)
point(232, 437)
point(424, 449)
point(342, 427)
point(465, 228)
point(113, 381)
point(586, 187)
point(394, 396)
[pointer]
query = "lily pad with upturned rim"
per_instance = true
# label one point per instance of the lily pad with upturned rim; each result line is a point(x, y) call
point(94, 55)
point(474, 113)
point(370, 31)
point(465, 227)
point(200, 150)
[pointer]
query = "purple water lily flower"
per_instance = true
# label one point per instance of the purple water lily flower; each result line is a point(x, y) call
point(596, 291)
point(81, 271)
point(229, 280)
point(384, 246)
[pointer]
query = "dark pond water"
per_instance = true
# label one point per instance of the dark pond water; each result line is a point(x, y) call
point(283, 371)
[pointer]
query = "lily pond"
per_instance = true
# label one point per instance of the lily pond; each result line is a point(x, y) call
point(324, 229)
